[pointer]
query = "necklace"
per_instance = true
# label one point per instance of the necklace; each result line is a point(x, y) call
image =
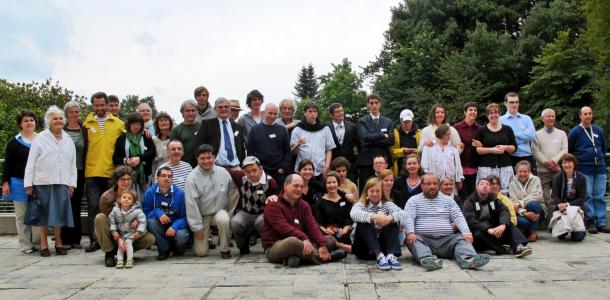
point(412, 182)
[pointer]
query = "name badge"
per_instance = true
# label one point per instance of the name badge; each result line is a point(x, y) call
point(259, 192)
point(93, 130)
point(477, 206)
point(272, 136)
point(595, 135)
point(235, 133)
point(296, 221)
point(384, 130)
point(341, 203)
point(493, 206)
point(164, 203)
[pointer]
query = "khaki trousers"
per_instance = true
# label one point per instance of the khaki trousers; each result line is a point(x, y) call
point(221, 220)
point(102, 235)
point(292, 246)
point(29, 236)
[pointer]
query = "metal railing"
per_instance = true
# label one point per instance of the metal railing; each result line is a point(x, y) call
point(7, 207)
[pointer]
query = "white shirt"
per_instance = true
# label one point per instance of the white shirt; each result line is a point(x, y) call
point(51, 161)
point(315, 147)
point(221, 158)
point(340, 131)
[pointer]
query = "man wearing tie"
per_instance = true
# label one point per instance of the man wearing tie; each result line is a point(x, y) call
point(375, 132)
point(225, 136)
point(345, 135)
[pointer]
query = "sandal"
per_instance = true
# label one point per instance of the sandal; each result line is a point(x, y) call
point(44, 252)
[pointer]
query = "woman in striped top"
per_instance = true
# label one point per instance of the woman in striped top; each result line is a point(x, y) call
point(377, 222)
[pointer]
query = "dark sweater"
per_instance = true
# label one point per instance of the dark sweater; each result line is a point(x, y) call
point(560, 186)
point(146, 157)
point(15, 159)
point(489, 139)
point(580, 145)
point(401, 188)
point(486, 215)
point(282, 220)
point(271, 145)
point(333, 213)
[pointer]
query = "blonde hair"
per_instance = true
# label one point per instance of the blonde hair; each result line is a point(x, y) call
point(369, 184)
point(384, 173)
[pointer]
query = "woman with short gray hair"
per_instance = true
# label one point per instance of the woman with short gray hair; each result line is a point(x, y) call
point(51, 173)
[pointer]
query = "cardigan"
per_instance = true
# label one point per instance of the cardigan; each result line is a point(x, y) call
point(51, 161)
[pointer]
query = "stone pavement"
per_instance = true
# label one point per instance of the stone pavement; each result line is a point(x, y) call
point(556, 269)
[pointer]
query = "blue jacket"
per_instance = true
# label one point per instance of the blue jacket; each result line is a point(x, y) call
point(580, 145)
point(153, 203)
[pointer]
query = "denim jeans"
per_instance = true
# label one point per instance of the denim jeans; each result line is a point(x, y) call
point(595, 206)
point(163, 242)
point(368, 240)
point(526, 225)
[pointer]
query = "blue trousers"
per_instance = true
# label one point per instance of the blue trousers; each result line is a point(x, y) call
point(164, 243)
point(595, 206)
point(526, 225)
point(368, 240)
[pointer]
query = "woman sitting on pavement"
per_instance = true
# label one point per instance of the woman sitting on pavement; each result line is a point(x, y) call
point(332, 210)
point(340, 165)
point(525, 191)
point(409, 182)
point(377, 227)
point(311, 187)
point(569, 193)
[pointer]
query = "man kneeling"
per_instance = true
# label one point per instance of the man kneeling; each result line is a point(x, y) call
point(429, 223)
point(290, 228)
point(490, 221)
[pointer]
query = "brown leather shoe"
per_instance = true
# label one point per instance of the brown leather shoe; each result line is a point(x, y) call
point(45, 252)
point(60, 251)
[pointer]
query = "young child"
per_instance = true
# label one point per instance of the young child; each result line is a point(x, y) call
point(127, 210)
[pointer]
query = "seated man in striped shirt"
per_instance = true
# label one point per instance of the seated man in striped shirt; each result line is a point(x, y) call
point(430, 234)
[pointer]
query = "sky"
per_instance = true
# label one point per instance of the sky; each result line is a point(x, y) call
point(167, 48)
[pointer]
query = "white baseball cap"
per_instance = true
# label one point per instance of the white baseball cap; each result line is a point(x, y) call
point(406, 115)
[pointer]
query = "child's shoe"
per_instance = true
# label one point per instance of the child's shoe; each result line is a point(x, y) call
point(129, 264)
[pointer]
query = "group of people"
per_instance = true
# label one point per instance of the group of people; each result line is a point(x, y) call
point(312, 192)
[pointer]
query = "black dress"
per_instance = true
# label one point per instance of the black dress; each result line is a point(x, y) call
point(336, 214)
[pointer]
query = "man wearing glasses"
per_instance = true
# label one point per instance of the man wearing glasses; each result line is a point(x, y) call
point(524, 130)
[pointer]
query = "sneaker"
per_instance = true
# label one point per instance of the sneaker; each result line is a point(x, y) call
point(120, 264)
point(292, 261)
point(383, 264)
point(163, 256)
point(475, 262)
point(129, 264)
point(522, 251)
point(393, 261)
point(337, 255)
point(591, 228)
point(431, 263)
point(28, 251)
point(603, 229)
point(225, 255)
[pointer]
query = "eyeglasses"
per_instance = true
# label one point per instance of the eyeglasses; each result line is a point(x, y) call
point(513, 102)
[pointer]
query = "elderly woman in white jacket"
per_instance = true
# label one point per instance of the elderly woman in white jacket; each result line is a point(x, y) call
point(525, 191)
point(51, 173)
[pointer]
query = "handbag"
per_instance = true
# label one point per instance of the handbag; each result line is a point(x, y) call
point(33, 212)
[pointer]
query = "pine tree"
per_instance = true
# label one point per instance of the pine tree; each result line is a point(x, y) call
point(307, 84)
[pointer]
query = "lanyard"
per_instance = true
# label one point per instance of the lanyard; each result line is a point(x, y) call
point(590, 136)
point(165, 198)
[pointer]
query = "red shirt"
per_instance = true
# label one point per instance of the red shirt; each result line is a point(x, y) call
point(283, 220)
point(467, 133)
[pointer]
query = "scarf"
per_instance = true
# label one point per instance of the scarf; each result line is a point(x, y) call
point(135, 151)
point(311, 127)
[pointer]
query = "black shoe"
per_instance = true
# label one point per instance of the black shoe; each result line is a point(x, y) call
point(225, 255)
point(592, 229)
point(337, 255)
point(292, 261)
point(163, 256)
point(252, 240)
point(93, 246)
point(244, 250)
point(109, 259)
point(177, 253)
point(60, 251)
point(211, 244)
point(603, 229)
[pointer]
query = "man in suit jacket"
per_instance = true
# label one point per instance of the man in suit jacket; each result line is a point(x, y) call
point(345, 135)
point(225, 136)
point(375, 132)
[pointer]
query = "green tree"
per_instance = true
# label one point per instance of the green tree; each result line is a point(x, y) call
point(35, 96)
point(597, 38)
point(342, 85)
point(449, 52)
point(130, 103)
point(307, 84)
point(561, 79)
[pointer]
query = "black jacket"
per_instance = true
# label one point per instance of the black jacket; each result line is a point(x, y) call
point(209, 133)
point(479, 221)
point(146, 157)
point(373, 140)
point(560, 185)
point(351, 139)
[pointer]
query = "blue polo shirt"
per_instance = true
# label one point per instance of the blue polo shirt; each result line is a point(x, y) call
point(524, 130)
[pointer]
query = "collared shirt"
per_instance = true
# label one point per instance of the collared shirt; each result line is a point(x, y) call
point(315, 147)
point(221, 158)
point(339, 131)
point(524, 131)
point(262, 180)
point(468, 155)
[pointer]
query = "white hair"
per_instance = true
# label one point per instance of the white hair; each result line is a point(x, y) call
point(291, 102)
point(48, 116)
point(546, 111)
point(187, 102)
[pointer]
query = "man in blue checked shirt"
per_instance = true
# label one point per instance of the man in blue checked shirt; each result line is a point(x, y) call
point(524, 130)
point(163, 205)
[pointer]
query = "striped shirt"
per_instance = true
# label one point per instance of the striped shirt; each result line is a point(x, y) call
point(361, 214)
point(180, 172)
point(433, 217)
point(101, 122)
